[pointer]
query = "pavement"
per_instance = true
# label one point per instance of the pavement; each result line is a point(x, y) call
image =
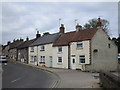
point(68, 78)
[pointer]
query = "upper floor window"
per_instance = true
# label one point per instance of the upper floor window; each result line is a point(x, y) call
point(79, 44)
point(60, 49)
point(42, 48)
point(32, 49)
point(59, 59)
point(82, 58)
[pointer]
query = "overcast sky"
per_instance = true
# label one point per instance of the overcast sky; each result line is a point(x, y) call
point(21, 19)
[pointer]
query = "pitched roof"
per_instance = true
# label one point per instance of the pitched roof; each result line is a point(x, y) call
point(26, 44)
point(46, 39)
point(68, 37)
point(15, 44)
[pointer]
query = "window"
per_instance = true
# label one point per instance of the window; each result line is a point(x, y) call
point(32, 49)
point(31, 59)
point(59, 59)
point(79, 44)
point(108, 45)
point(82, 58)
point(60, 49)
point(42, 59)
point(42, 48)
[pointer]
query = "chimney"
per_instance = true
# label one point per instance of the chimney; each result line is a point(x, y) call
point(14, 40)
point(62, 28)
point(38, 35)
point(27, 39)
point(8, 42)
point(78, 27)
point(99, 24)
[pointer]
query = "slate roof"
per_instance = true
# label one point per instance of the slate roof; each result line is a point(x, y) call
point(26, 44)
point(15, 44)
point(68, 37)
point(46, 39)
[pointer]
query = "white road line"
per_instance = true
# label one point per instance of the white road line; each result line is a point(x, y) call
point(16, 80)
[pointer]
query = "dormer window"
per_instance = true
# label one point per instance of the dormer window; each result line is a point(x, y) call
point(32, 49)
point(79, 44)
point(42, 48)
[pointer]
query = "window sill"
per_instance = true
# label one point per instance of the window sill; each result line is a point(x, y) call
point(59, 63)
point(82, 63)
point(79, 48)
point(59, 52)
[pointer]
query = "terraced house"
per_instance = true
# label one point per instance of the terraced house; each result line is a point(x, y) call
point(84, 49)
point(40, 51)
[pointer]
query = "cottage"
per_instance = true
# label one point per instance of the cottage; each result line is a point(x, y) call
point(40, 51)
point(23, 50)
point(13, 48)
point(88, 50)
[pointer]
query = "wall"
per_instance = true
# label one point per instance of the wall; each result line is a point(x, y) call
point(32, 53)
point(47, 53)
point(105, 58)
point(83, 51)
point(63, 54)
point(109, 80)
point(13, 54)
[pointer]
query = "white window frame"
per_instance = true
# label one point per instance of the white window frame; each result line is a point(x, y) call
point(42, 60)
point(79, 44)
point(80, 58)
point(42, 48)
point(31, 59)
point(32, 49)
point(60, 49)
point(59, 61)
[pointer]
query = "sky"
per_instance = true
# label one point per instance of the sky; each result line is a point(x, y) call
point(21, 19)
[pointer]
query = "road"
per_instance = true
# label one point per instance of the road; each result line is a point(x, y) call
point(16, 75)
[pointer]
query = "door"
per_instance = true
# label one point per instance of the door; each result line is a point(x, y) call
point(51, 61)
point(73, 62)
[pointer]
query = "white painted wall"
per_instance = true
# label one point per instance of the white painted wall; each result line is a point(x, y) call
point(81, 51)
point(47, 53)
point(63, 54)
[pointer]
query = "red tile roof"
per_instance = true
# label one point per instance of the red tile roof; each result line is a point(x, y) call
point(68, 37)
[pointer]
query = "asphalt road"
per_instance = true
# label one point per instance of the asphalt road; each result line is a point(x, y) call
point(16, 75)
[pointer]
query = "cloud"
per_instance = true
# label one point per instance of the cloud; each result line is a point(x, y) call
point(22, 19)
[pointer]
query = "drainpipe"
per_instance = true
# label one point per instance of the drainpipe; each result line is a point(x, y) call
point(68, 56)
point(37, 56)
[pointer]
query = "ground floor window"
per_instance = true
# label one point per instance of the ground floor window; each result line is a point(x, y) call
point(42, 59)
point(59, 59)
point(31, 59)
point(82, 59)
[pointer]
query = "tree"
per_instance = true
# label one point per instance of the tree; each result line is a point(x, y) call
point(92, 23)
point(46, 33)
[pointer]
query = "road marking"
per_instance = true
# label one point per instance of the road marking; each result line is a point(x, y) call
point(16, 80)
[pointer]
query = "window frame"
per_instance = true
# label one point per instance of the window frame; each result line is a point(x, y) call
point(59, 48)
point(81, 58)
point(42, 60)
point(79, 45)
point(42, 48)
point(59, 61)
point(31, 49)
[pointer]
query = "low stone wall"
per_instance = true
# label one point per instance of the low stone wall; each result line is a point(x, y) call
point(109, 80)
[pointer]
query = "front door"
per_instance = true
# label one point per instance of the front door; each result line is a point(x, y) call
point(50, 61)
point(73, 62)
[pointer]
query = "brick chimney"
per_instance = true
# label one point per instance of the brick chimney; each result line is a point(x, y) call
point(78, 27)
point(8, 42)
point(38, 35)
point(62, 28)
point(27, 39)
point(99, 24)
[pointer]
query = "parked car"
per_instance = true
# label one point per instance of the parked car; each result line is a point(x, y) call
point(3, 59)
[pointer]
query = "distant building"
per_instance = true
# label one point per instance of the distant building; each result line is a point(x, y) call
point(13, 48)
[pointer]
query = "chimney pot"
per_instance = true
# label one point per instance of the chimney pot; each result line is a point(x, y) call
point(99, 24)
point(38, 35)
point(27, 39)
point(62, 28)
point(78, 27)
